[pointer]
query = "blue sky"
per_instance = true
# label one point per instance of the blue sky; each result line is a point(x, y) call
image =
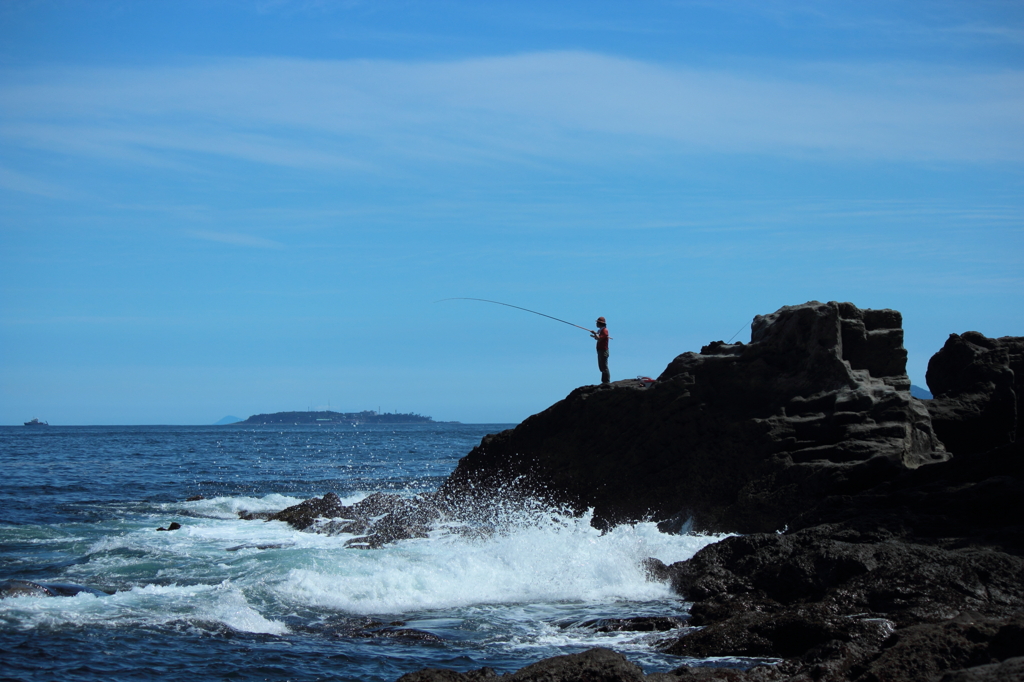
point(212, 208)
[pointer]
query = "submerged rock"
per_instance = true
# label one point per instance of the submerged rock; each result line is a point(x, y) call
point(348, 627)
point(28, 588)
point(260, 546)
point(636, 624)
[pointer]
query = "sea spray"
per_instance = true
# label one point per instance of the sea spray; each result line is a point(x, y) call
point(562, 559)
point(205, 606)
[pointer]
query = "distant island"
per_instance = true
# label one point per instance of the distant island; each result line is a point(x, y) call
point(328, 417)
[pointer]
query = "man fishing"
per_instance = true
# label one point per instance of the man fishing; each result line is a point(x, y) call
point(601, 334)
point(602, 349)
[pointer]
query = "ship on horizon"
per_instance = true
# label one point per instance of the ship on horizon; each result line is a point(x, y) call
point(35, 422)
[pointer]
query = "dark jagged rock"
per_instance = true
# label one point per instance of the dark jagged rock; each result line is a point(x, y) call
point(369, 628)
point(442, 675)
point(841, 605)
point(379, 519)
point(789, 634)
point(740, 437)
point(637, 624)
point(847, 572)
point(970, 500)
point(1010, 670)
point(303, 515)
point(703, 674)
point(965, 648)
point(595, 665)
point(978, 388)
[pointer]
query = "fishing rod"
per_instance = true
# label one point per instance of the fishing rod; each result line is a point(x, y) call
point(737, 333)
point(461, 298)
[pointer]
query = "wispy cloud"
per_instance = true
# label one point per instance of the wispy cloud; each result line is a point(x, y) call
point(354, 115)
point(934, 23)
point(236, 239)
point(19, 182)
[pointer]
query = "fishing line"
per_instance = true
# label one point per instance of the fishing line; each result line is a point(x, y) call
point(737, 332)
point(484, 300)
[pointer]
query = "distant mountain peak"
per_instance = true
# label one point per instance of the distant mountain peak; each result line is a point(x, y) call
point(920, 393)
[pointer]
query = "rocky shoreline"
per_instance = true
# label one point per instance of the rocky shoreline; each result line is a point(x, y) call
point(882, 537)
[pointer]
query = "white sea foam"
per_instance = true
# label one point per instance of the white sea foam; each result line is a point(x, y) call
point(564, 559)
point(521, 575)
point(222, 604)
point(228, 507)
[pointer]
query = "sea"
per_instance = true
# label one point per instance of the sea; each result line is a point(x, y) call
point(224, 598)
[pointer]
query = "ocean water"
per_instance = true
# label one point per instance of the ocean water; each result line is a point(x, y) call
point(82, 504)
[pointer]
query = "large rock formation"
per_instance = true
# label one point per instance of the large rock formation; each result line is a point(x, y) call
point(902, 573)
point(809, 423)
point(978, 388)
point(740, 437)
point(889, 570)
